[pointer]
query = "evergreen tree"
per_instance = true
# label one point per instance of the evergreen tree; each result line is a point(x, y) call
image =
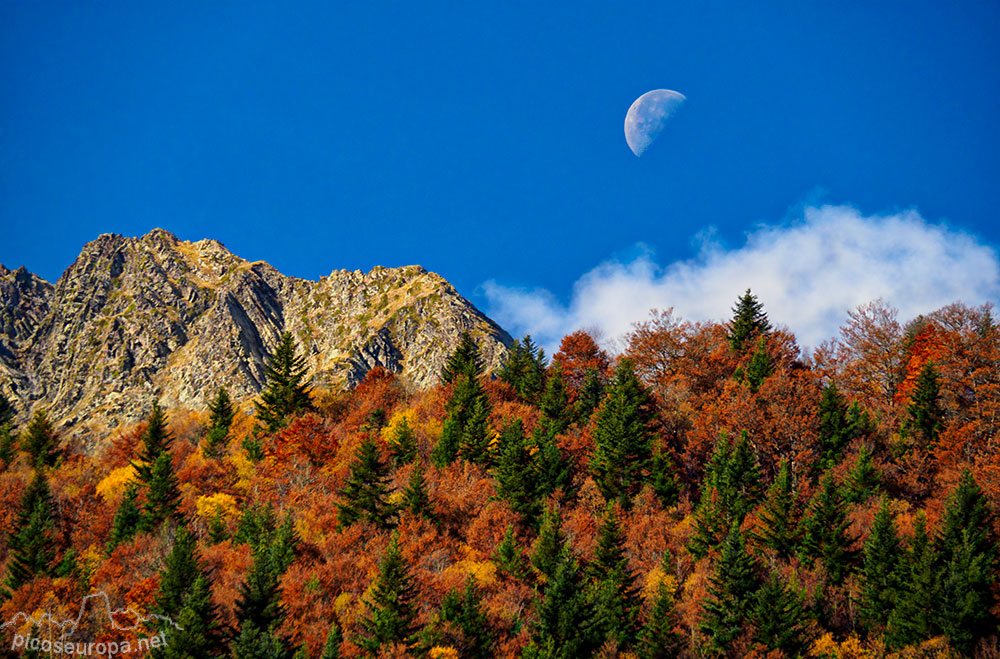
point(759, 368)
point(466, 612)
point(464, 361)
point(912, 620)
point(778, 618)
point(967, 557)
point(259, 611)
point(749, 321)
point(474, 445)
point(556, 411)
point(564, 626)
point(613, 595)
point(163, 496)
point(865, 478)
point(622, 448)
point(198, 634)
point(465, 428)
point(524, 369)
point(415, 496)
point(730, 593)
point(834, 429)
point(780, 515)
point(403, 443)
point(40, 442)
point(880, 573)
point(8, 437)
point(181, 568)
point(391, 606)
point(658, 638)
point(127, 518)
point(547, 550)
point(6, 410)
point(365, 492)
point(924, 415)
point(256, 526)
point(508, 556)
point(156, 440)
point(331, 649)
point(824, 531)
point(515, 482)
point(590, 395)
point(551, 467)
point(220, 420)
point(663, 477)
point(286, 392)
point(31, 545)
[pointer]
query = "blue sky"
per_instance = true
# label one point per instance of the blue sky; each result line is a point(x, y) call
point(484, 140)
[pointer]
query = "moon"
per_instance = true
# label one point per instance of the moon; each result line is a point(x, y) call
point(647, 117)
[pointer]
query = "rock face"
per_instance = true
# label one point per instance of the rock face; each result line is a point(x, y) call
point(135, 319)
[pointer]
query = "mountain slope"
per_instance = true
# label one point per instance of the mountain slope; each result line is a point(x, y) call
point(137, 318)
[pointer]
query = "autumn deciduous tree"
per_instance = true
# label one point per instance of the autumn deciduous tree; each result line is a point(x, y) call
point(579, 357)
point(286, 392)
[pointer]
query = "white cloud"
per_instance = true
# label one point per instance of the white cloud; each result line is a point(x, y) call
point(808, 275)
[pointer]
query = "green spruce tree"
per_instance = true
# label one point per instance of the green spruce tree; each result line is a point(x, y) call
point(780, 514)
point(403, 443)
point(924, 414)
point(416, 499)
point(163, 495)
point(127, 518)
point(880, 572)
point(286, 392)
point(365, 493)
point(524, 369)
point(465, 360)
point(391, 603)
point(156, 440)
point(590, 396)
point(465, 428)
point(731, 591)
point(40, 442)
point(466, 612)
point(824, 531)
point(221, 415)
point(31, 545)
point(749, 322)
point(564, 629)
point(334, 638)
point(557, 414)
point(508, 556)
point(613, 595)
point(515, 482)
point(865, 479)
point(658, 638)
point(778, 618)
point(547, 550)
point(912, 620)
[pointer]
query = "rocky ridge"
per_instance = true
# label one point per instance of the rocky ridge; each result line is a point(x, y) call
point(133, 319)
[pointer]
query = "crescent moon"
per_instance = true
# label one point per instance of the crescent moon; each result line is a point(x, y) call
point(647, 117)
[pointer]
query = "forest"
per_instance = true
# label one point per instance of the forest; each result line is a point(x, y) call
point(712, 491)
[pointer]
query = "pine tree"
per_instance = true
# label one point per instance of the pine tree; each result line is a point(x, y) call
point(180, 569)
point(658, 638)
point(391, 605)
point(780, 515)
point(912, 620)
point(466, 612)
point(556, 411)
point(508, 556)
point(163, 496)
point(415, 496)
point(403, 443)
point(220, 420)
point(465, 428)
point(622, 441)
point(286, 392)
point(259, 611)
point(474, 445)
point(524, 369)
point(365, 492)
point(551, 467)
point(924, 415)
point(590, 395)
point(331, 649)
point(547, 550)
point(880, 573)
point(834, 430)
point(31, 545)
point(464, 361)
point(824, 531)
point(966, 560)
point(515, 482)
point(564, 627)
point(40, 442)
point(778, 618)
point(127, 518)
point(198, 634)
point(613, 595)
point(730, 593)
point(749, 321)
point(156, 440)
point(865, 478)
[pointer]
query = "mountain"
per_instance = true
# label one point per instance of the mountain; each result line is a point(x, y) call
point(133, 319)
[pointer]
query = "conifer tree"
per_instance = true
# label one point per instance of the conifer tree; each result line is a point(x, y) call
point(551, 467)
point(778, 618)
point(474, 445)
point(880, 572)
point(127, 518)
point(556, 411)
point(564, 629)
point(365, 493)
point(622, 441)
point(415, 497)
point(590, 395)
point(163, 495)
point(198, 634)
point(465, 428)
point(31, 545)
point(547, 550)
point(508, 556)
point(8, 436)
point(834, 429)
point(464, 361)
point(286, 392)
point(658, 638)
point(331, 649)
point(759, 368)
point(730, 593)
point(524, 369)
point(40, 442)
point(6, 410)
point(824, 531)
point(180, 569)
point(912, 620)
point(924, 415)
point(259, 611)
point(780, 514)
point(865, 478)
point(156, 440)
point(403, 443)
point(466, 612)
point(221, 415)
point(663, 477)
point(613, 595)
point(749, 321)
point(515, 482)
point(391, 604)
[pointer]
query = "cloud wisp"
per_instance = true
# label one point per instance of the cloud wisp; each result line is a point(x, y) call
point(808, 275)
